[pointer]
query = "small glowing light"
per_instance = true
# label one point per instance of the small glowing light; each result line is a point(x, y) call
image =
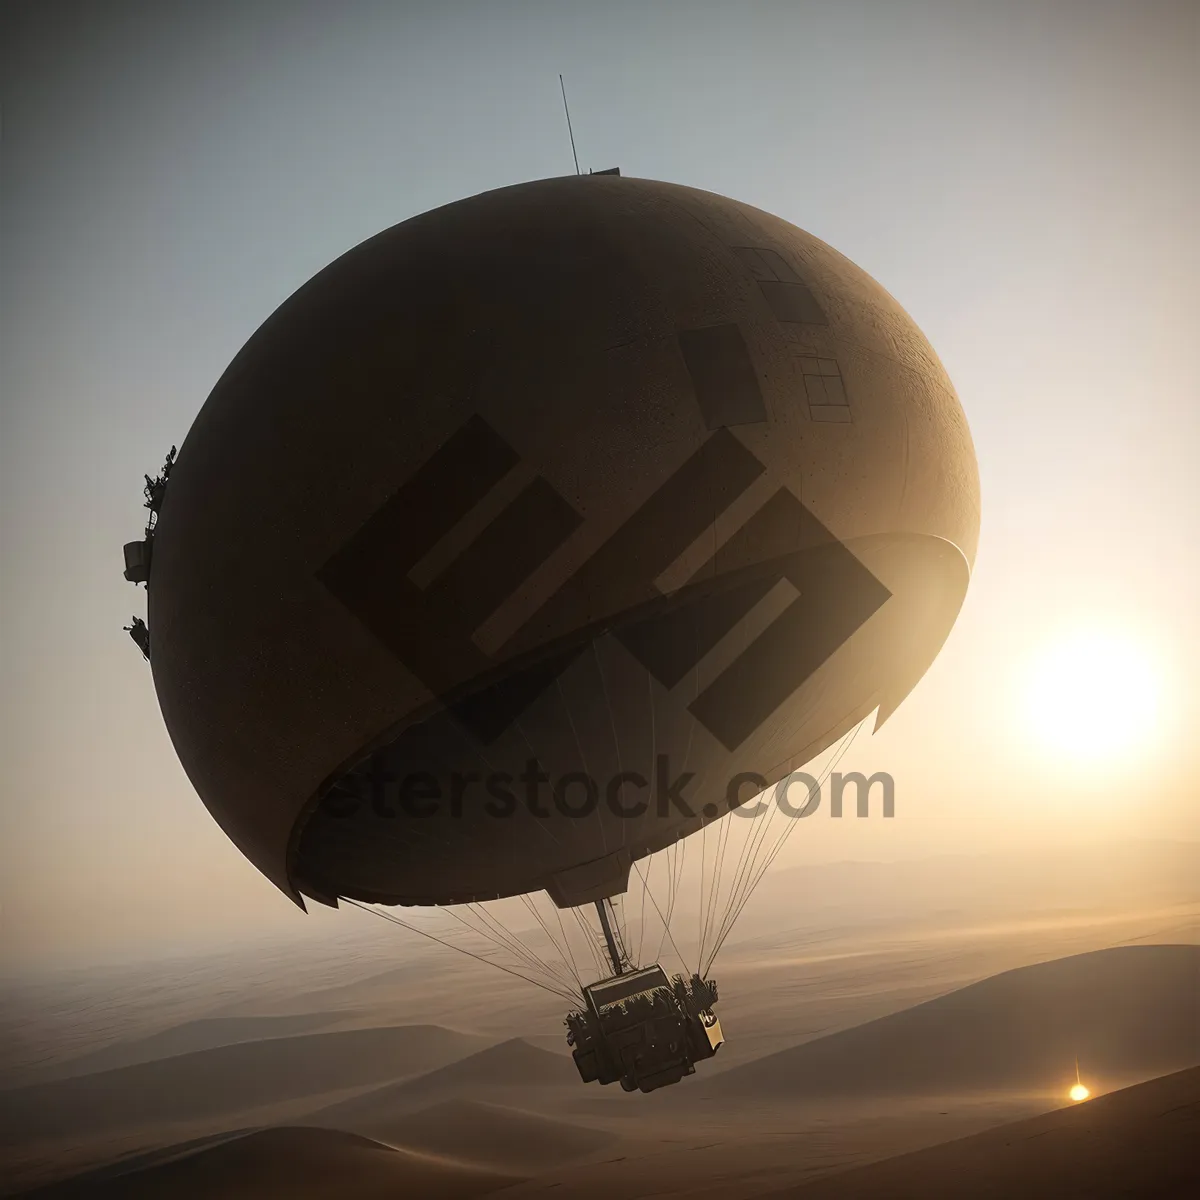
point(1079, 1092)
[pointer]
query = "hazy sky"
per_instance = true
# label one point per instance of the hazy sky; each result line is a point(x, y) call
point(1022, 177)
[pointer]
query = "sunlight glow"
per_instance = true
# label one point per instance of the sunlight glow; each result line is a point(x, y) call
point(1079, 1092)
point(1094, 695)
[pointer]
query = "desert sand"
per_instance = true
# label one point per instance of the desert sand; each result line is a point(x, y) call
point(1121, 1012)
point(319, 1164)
point(507, 1139)
point(240, 1077)
point(1140, 1141)
point(853, 1038)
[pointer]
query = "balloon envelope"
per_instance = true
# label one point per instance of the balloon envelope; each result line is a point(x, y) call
point(536, 531)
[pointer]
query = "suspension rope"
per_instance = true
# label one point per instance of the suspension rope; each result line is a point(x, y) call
point(567, 962)
point(505, 941)
point(667, 927)
point(671, 860)
point(531, 957)
point(680, 848)
point(746, 876)
point(482, 930)
point(713, 893)
point(495, 931)
point(653, 758)
point(642, 914)
point(569, 996)
point(753, 881)
point(589, 937)
point(498, 932)
point(567, 942)
point(751, 847)
point(621, 930)
point(710, 914)
point(845, 745)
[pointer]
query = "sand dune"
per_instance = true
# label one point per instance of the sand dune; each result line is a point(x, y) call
point(1140, 1141)
point(511, 1065)
point(1004, 1047)
point(513, 1061)
point(394, 979)
point(299, 1163)
point(226, 1079)
point(1127, 1012)
point(206, 1033)
point(1136, 873)
point(507, 1139)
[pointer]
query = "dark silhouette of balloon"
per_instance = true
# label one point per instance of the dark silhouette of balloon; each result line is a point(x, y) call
point(534, 532)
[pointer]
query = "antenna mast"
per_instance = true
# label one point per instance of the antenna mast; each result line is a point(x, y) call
point(570, 131)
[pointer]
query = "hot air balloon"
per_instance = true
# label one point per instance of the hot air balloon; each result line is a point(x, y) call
point(538, 531)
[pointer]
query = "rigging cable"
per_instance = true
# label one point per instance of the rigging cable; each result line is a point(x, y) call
point(567, 942)
point(470, 954)
point(530, 956)
point(494, 931)
point(499, 937)
point(653, 761)
point(667, 927)
point(642, 914)
point(680, 848)
point(568, 962)
point(753, 866)
point(731, 918)
point(589, 936)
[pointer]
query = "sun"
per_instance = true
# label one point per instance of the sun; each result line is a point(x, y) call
point(1093, 695)
point(1078, 1092)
